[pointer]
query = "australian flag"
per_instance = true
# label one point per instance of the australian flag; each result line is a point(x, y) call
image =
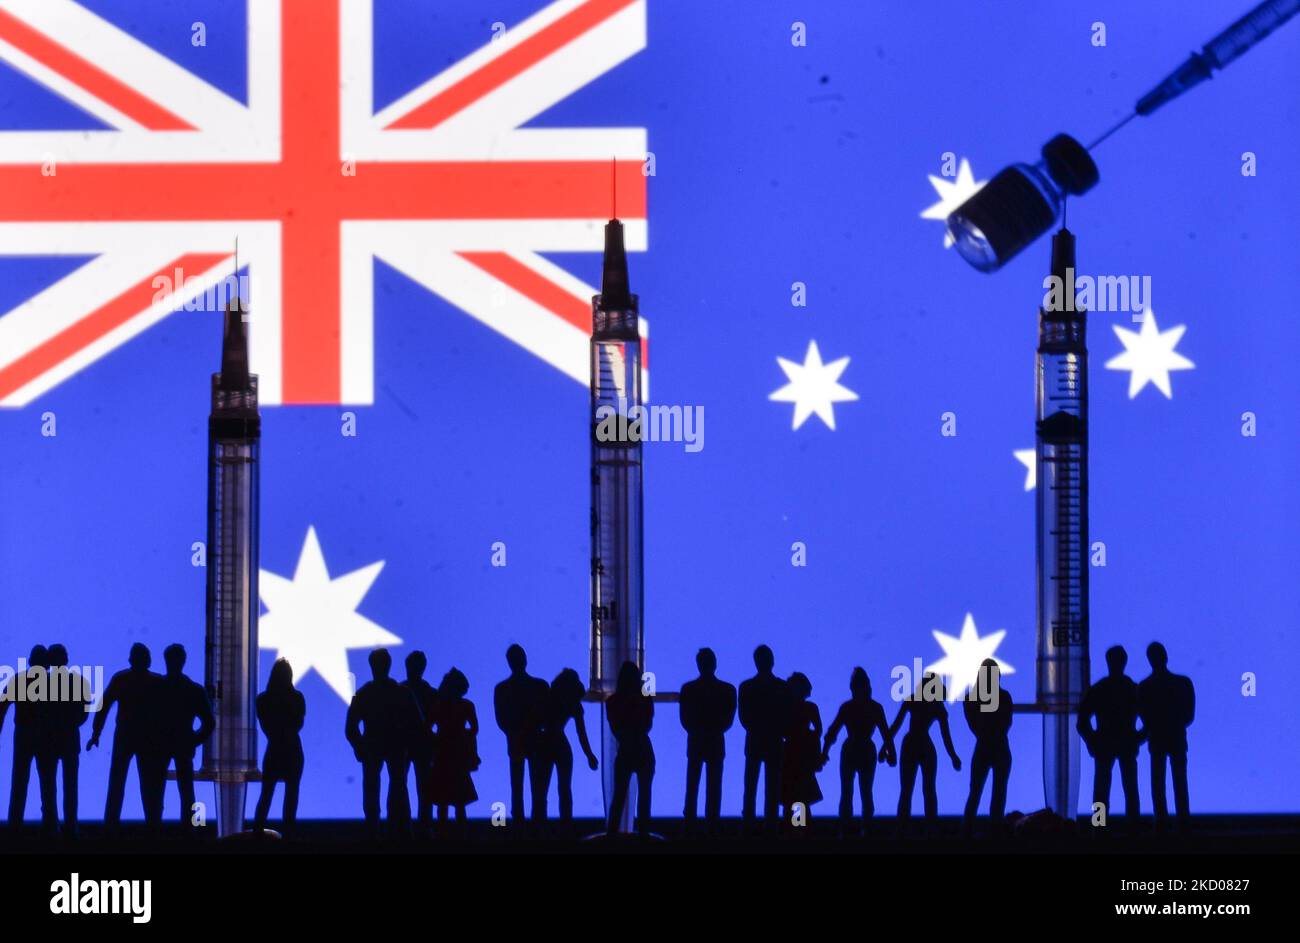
point(410, 196)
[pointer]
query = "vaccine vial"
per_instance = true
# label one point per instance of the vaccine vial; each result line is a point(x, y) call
point(1020, 204)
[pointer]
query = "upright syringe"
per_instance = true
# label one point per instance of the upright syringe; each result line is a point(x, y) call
point(616, 561)
point(1062, 522)
point(230, 645)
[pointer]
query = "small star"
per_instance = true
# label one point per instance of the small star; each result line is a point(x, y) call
point(814, 387)
point(962, 656)
point(1149, 356)
point(1028, 458)
point(312, 619)
point(952, 194)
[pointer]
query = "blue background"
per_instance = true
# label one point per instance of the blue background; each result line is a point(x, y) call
point(775, 164)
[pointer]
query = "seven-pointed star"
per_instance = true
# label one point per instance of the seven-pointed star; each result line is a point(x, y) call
point(962, 656)
point(1149, 356)
point(814, 387)
point(312, 619)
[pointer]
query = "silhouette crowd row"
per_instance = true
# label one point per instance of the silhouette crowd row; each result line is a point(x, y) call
point(399, 727)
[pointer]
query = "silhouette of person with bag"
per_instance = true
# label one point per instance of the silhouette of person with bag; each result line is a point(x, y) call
point(456, 748)
point(802, 758)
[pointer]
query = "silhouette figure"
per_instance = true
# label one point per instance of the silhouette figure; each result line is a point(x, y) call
point(563, 701)
point(708, 709)
point(66, 716)
point(183, 701)
point(764, 712)
point(631, 714)
point(924, 706)
point(137, 692)
point(1114, 702)
point(1167, 706)
point(519, 703)
point(456, 747)
point(988, 714)
point(860, 717)
point(281, 711)
point(426, 698)
point(803, 755)
point(383, 720)
point(26, 692)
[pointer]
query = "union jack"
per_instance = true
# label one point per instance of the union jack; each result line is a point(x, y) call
point(442, 184)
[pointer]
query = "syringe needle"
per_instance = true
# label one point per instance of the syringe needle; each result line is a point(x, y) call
point(1130, 117)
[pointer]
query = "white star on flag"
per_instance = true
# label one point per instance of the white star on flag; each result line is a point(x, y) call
point(313, 620)
point(814, 387)
point(952, 194)
point(1149, 356)
point(962, 656)
point(1028, 458)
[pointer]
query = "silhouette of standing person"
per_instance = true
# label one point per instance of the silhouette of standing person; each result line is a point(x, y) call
point(66, 717)
point(383, 719)
point(26, 692)
point(631, 714)
point(1167, 706)
point(1114, 702)
point(456, 748)
point(924, 706)
point(426, 698)
point(764, 711)
point(281, 711)
point(183, 701)
point(137, 693)
point(988, 714)
point(563, 701)
point(707, 711)
point(803, 755)
point(519, 703)
point(860, 717)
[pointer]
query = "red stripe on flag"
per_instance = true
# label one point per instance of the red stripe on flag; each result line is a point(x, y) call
point(536, 288)
point(88, 76)
point(510, 64)
point(75, 338)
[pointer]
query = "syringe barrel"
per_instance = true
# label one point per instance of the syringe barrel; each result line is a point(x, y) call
point(1249, 30)
point(616, 512)
point(230, 644)
point(1062, 548)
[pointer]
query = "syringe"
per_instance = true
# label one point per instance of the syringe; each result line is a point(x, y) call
point(617, 598)
point(1062, 527)
point(1231, 44)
